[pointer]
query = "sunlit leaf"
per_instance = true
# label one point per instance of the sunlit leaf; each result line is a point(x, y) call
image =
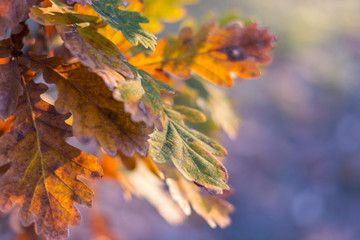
point(44, 170)
point(128, 22)
point(193, 153)
point(95, 112)
point(142, 97)
point(91, 48)
point(212, 53)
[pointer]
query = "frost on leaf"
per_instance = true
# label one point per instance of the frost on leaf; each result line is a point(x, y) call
point(128, 22)
point(95, 112)
point(44, 169)
point(213, 53)
point(192, 153)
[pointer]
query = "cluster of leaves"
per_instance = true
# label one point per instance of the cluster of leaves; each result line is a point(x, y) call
point(125, 96)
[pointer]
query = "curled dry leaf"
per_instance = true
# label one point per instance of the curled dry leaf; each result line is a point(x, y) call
point(95, 112)
point(212, 53)
point(97, 53)
point(44, 170)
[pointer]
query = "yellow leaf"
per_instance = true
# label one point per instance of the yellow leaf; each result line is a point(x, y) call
point(213, 53)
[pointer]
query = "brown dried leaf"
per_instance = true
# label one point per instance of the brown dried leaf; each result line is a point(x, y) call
point(95, 112)
point(92, 49)
point(98, 53)
point(44, 170)
point(13, 12)
point(10, 88)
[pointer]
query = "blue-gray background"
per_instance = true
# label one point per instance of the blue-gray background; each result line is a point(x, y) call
point(295, 166)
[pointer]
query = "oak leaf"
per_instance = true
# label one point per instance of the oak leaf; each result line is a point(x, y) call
point(128, 22)
point(91, 48)
point(191, 152)
point(95, 112)
point(142, 97)
point(212, 53)
point(44, 169)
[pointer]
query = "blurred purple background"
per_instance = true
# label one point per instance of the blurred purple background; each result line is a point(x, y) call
point(295, 166)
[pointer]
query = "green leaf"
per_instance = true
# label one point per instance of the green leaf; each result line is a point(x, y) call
point(92, 49)
point(142, 97)
point(128, 22)
point(60, 14)
point(193, 153)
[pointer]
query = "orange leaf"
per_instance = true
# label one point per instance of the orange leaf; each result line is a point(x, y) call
point(95, 112)
point(213, 53)
point(5, 126)
point(44, 170)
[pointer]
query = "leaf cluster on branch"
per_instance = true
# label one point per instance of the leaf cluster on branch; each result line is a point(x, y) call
point(144, 101)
